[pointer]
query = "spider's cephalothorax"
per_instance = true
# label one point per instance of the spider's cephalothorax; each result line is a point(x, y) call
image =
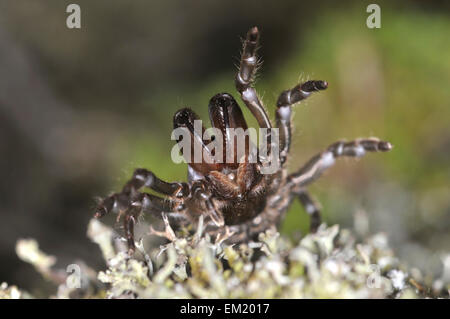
point(236, 200)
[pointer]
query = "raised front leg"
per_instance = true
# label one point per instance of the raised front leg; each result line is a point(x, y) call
point(283, 113)
point(245, 76)
point(314, 168)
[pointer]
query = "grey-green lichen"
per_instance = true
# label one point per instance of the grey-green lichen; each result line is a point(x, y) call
point(11, 292)
point(328, 264)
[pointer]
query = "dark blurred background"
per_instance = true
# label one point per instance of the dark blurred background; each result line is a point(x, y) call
point(80, 109)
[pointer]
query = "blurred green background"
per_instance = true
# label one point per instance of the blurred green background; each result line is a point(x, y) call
point(80, 109)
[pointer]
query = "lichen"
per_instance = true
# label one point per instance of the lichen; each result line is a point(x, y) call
point(328, 264)
point(11, 292)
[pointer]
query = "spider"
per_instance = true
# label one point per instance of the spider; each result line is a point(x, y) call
point(236, 200)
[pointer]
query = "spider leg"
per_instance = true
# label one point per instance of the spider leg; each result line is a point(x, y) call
point(129, 222)
point(145, 178)
point(201, 193)
point(312, 208)
point(245, 76)
point(283, 113)
point(128, 225)
point(130, 202)
point(314, 168)
point(141, 178)
point(124, 203)
point(143, 202)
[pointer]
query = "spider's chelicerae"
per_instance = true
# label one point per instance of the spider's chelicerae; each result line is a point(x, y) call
point(236, 200)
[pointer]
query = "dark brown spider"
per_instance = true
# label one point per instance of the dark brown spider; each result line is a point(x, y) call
point(236, 200)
